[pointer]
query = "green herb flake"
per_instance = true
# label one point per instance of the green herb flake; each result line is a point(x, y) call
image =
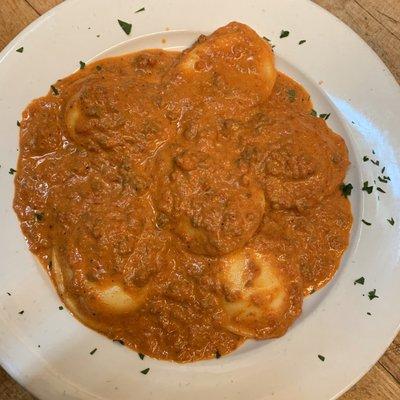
point(217, 354)
point(359, 281)
point(322, 358)
point(346, 189)
point(12, 171)
point(375, 162)
point(54, 90)
point(141, 356)
point(313, 113)
point(383, 170)
point(383, 180)
point(368, 313)
point(380, 189)
point(367, 188)
point(372, 295)
point(8, 293)
point(145, 371)
point(21, 312)
point(284, 34)
point(373, 151)
point(391, 221)
point(302, 41)
point(140, 10)
point(292, 95)
point(324, 116)
point(82, 65)
point(121, 342)
point(18, 123)
point(266, 39)
point(39, 216)
point(366, 222)
point(93, 351)
point(20, 50)
point(126, 27)
point(365, 158)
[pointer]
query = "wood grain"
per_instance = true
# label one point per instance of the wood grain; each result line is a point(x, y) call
point(15, 15)
point(41, 6)
point(378, 23)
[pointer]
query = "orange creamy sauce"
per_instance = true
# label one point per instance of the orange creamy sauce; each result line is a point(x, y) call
point(150, 187)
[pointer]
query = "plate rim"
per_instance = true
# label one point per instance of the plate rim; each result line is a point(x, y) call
point(57, 9)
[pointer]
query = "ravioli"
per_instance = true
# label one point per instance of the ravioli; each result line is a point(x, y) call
point(259, 293)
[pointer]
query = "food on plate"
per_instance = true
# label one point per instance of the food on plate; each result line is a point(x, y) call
point(183, 202)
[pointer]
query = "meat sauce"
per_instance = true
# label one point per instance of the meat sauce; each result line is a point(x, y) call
point(178, 215)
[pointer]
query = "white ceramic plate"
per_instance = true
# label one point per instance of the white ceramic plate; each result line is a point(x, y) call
point(345, 78)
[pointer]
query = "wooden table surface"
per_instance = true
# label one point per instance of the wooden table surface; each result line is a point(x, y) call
point(378, 23)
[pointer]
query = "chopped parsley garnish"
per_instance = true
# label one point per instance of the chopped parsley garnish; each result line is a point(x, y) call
point(375, 162)
point(366, 222)
point(121, 342)
point(217, 354)
point(313, 113)
point(383, 170)
point(325, 116)
point(21, 312)
point(141, 356)
point(373, 151)
point(368, 313)
point(9, 293)
point(12, 171)
point(20, 50)
point(284, 34)
point(93, 351)
point(302, 41)
point(292, 95)
point(82, 65)
point(145, 371)
point(383, 180)
point(372, 295)
point(346, 189)
point(126, 27)
point(365, 158)
point(322, 358)
point(360, 281)
point(18, 123)
point(265, 38)
point(61, 308)
point(380, 189)
point(39, 216)
point(54, 90)
point(140, 10)
point(391, 221)
point(367, 188)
